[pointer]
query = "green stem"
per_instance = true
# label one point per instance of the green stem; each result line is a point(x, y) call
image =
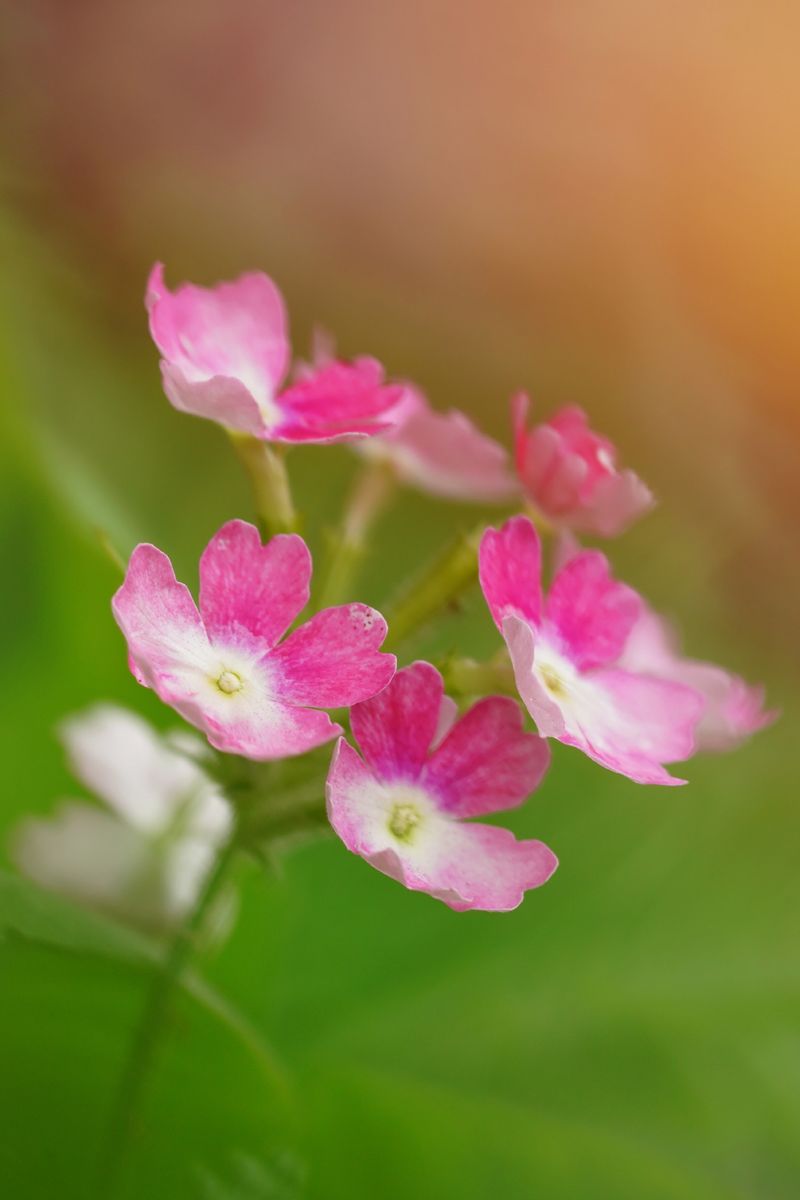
point(266, 469)
point(466, 677)
point(368, 497)
point(450, 574)
point(143, 1048)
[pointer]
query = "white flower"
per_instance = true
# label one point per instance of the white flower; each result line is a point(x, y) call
point(146, 858)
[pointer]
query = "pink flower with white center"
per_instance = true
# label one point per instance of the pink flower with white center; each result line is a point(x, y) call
point(569, 473)
point(443, 454)
point(565, 650)
point(733, 709)
point(224, 668)
point(405, 805)
point(225, 353)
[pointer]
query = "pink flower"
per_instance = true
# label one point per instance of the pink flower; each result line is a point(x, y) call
point(564, 652)
point(222, 667)
point(442, 453)
point(732, 708)
point(570, 475)
point(225, 352)
point(404, 806)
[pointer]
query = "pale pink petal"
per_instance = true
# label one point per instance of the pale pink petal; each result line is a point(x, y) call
point(591, 613)
point(395, 729)
point(509, 562)
point(632, 723)
point(234, 331)
point(336, 401)
point(733, 709)
point(159, 619)
point(448, 715)
point(520, 639)
point(616, 502)
point(251, 587)
point(220, 398)
point(333, 660)
point(487, 762)
point(268, 730)
point(446, 455)
point(465, 865)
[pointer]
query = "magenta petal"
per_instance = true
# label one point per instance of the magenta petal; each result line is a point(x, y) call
point(634, 723)
point(248, 586)
point(592, 613)
point(335, 401)
point(509, 562)
point(487, 762)
point(158, 617)
point(395, 729)
point(333, 660)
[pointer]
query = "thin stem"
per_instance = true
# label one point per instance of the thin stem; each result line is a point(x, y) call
point(266, 469)
point(371, 492)
point(466, 677)
point(450, 574)
point(143, 1048)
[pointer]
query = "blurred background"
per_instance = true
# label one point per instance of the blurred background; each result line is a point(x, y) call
point(598, 203)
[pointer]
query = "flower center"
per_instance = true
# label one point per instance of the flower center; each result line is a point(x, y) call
point(552, 680)
point(229, 683)
point(403, 820)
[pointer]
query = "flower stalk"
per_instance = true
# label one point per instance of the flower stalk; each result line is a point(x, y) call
point(370, 494)
point(449, 575)
point(266, 469)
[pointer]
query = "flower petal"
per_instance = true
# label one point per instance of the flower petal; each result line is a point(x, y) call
point(160, 622)
point(335, 401)
point(487, 762)
point(234, 331)
point(248, 586)
point(520, 638)
point(510, 565)
point(591, 612)
point(616, 502)
point(395, 729)
point(333, 660)
point(265, 730)
point(219, 398)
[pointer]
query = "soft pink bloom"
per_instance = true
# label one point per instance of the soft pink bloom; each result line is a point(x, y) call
point(565, 649)
point(569, 473)
point(733, 709)
point(224, 668)
point(404, 806)
point(225, 353)
point(442, 453)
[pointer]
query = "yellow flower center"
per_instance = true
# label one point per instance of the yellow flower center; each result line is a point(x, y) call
point(404, 819)
point(229, 683)
point(552, 681)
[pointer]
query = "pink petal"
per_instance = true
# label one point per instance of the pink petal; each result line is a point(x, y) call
point(509, 562)
point(487, 762)
point(465, 865)
point(520, 639)
point(552, 476)
point(446, 455)
point(395, 729)
point(633, 723)
point(219, 398)
point(235, 330)
point(248, 586)
point(591, 613)
point(269, 730)
point(616, 502)
point(336, 401)
point(333, 660)
point(159, 619)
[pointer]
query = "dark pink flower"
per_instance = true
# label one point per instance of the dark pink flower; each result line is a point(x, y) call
point(225, 354)
point(405, 805)
point(224, 668)
point(569, 473)
point(565, 650)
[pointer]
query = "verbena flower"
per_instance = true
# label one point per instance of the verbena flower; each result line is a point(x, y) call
point(224, 668)
point(565, 650)
point(442, 453)
point(225, 353)
point(404, 805)
point(569, 473)
point(147, 857)
point(732, 708)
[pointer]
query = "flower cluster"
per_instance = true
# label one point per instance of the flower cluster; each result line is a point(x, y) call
point(594, 666)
